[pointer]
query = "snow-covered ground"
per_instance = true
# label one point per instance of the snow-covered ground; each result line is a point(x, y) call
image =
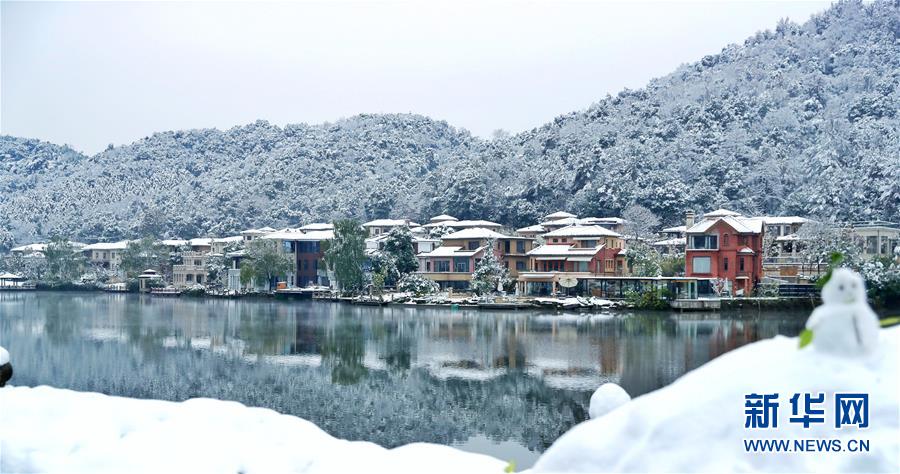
point(46, 429)
point(695, 424)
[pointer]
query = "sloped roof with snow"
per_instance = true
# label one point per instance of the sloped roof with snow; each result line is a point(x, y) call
point(200, 242)
point(537, 228)
point(39, 247)
point(677, 228)
point(558, 215)
point(317, 226)
point(442, 218)
point(721, 212)
point(121, 245)
point(474, 223)
point(389, 223)
point(234, 238)
point(173, 242)
point(784, 220)
point(474, 233)
point(582, 231)
point(671, 242)
point(742, 225)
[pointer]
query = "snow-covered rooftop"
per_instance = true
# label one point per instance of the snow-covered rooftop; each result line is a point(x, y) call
point(173, 242)
point(582, 231)
point(260, 231)
point(225, 240)
point(532, 229)
point(442, 218)
point(283, 234)
point(677, 228)
point(784, 220)
point(390, 223)
point(317, 226)
point(721, 212)
point(474, 223)
point(200, 242)
point(671, 242)
point(474, 233)
point(742, 225)
point(602, 220)
point(558, 215)
point(40, 247)
point(121, 245)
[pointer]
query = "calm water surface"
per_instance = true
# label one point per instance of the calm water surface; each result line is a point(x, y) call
point(503, 383)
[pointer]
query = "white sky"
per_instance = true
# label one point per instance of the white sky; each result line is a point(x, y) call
point(90, 74)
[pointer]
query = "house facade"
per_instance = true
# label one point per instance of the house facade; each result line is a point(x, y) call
point(452, 263)
point(106, 255)
point(191, 271)
point(570, 254)
point(727, 248)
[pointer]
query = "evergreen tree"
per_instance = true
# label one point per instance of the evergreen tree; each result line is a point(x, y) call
point(265, 262)
point(346, 255)
point(489, 272)
point(399, 245)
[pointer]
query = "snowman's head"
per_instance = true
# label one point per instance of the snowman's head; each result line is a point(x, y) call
point(844, 287)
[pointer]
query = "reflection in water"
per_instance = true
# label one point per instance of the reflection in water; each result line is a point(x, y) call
point(487, 381)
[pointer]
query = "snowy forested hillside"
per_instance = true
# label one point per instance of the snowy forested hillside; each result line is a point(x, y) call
point(799, 120)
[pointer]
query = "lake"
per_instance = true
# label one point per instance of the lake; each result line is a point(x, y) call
point(503, 383)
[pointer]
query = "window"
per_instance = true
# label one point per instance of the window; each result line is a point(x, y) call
point(520, 246)
point(588, 243)
point(741, 264)
point(555, 240)
point(197, 263)
point(189, 277)
point(610, 264)
point(442, 266)
point(473, 244)
point(506, 246)
point(704, 242)
point(461, 264)
point(725, 262)
point(427, 266)
point(872, 245)
point(702, 264)
point(581, 266)
point(725, 240)
point(199, 278)
point(884, 246)
point(520, 265)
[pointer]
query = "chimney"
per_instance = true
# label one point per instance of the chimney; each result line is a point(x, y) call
point(689, 219)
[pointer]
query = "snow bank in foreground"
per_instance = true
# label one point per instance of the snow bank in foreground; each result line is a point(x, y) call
point(46, 429)
point(697, 423)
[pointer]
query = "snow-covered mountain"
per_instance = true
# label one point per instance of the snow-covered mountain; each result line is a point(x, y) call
point(799, 120)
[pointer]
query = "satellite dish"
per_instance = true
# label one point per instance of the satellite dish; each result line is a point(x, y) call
point(568, 282)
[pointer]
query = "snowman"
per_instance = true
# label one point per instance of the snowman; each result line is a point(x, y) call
point(6, 371)
point(844, 324)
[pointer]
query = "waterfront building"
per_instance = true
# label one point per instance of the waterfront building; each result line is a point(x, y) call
point(191, 271)
point(106, 255)
point(725, 246)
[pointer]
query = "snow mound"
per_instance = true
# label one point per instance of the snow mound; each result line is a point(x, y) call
point(4, 356)
point(697, 423)
point(607, 398)
point(45, 429)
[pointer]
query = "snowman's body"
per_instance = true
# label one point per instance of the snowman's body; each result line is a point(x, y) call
point(844, 324)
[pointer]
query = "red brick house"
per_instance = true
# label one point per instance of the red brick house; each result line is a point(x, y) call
point(729, 248)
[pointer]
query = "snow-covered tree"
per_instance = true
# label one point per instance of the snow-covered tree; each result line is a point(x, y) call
point(346, 255)
point(416, 284)
point(489, 274)
point(399, 245)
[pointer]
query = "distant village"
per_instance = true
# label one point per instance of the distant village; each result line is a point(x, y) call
point(714, 254)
